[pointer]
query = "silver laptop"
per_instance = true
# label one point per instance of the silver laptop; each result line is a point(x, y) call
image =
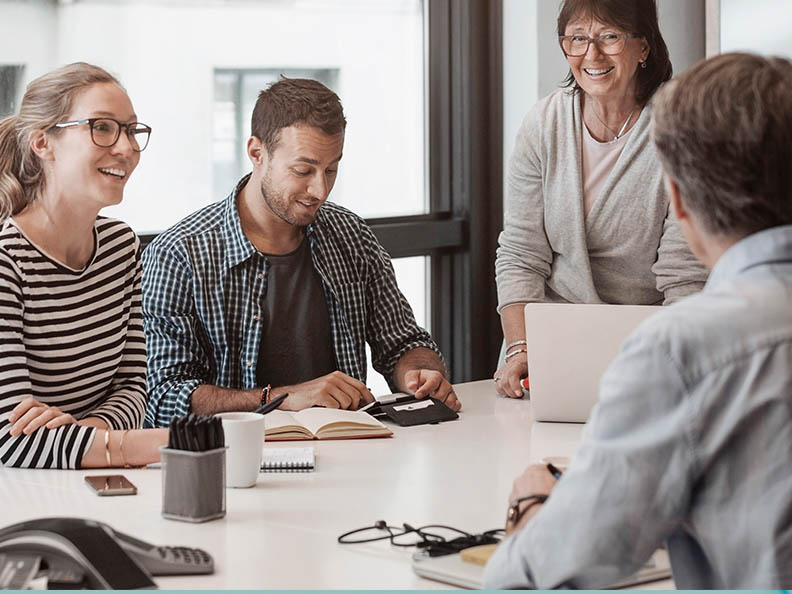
point(451, 569)
point(569, 347)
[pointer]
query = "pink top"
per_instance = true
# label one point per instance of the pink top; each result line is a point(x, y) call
point(598, 161)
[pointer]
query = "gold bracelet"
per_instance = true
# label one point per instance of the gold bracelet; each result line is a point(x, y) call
point(121, 449)
point(107, 448)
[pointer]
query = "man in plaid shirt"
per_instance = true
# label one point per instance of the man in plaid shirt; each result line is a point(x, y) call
point(274, 290)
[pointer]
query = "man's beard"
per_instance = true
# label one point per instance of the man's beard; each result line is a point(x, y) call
point(280, 208)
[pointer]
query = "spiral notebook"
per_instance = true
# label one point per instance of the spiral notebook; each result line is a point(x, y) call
point(287, 460)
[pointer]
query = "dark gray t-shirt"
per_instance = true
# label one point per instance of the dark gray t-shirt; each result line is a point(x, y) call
point(296, 344)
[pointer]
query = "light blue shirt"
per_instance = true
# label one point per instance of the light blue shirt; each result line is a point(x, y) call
point(691, 443)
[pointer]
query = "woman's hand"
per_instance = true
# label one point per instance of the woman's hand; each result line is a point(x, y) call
point(30, 414)
point(508, 376)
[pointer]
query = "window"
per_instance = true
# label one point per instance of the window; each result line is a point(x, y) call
point(411, 274)
point(195, 74)
point(235, 94)
point(10, 84)
point(420, 84)
point(761, 26)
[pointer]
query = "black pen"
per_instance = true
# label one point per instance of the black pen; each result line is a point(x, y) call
point(271, 405)
point(554, 471)
point(387, 400)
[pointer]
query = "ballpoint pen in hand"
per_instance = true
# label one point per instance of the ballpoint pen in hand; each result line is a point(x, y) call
point(554, 471)
point(271, 405)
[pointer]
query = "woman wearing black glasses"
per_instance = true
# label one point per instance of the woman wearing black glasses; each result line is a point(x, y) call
point(73, 358)
point(586, 212)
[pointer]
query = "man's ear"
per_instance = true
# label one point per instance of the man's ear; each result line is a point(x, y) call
point(41, 145)
point(680, 210)
point(257, 153)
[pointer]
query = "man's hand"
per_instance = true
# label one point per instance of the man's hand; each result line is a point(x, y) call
point(535, 480)
point(418, 372)
point(30, 414)
point(428, 382)
point(507, 377)
point(335, 390)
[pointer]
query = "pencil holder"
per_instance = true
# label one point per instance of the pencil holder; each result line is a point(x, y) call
point(193, 484)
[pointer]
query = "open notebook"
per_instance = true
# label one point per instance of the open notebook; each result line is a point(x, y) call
point(322, 423)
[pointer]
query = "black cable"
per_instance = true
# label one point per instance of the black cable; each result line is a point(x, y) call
point(434, 545)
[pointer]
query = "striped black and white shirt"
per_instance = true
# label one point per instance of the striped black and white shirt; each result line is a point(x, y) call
point(203, 285)
point(71, 339)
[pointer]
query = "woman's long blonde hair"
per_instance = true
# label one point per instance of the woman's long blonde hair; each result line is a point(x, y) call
point(47, 101)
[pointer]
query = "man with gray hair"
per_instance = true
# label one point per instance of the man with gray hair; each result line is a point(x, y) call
point(690, 441)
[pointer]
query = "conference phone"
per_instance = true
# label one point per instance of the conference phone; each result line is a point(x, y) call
point(79, 553)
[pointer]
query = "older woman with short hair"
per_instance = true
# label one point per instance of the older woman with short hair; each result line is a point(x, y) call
point(587, 215)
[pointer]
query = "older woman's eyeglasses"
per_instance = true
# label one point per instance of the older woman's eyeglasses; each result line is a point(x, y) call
point(105, 132)
point(609, 44)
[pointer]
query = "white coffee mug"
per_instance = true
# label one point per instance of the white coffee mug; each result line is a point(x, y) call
point(244, 438)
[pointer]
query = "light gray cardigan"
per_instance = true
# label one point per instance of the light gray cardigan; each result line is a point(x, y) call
point(628, 250)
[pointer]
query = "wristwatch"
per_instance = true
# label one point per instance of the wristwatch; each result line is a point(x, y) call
point(514, 512)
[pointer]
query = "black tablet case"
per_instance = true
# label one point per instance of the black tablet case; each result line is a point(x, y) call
point(416, 412)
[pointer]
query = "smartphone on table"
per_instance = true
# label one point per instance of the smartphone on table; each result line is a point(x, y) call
point(111, 484)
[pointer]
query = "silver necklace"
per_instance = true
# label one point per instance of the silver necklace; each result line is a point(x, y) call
point(624, 125)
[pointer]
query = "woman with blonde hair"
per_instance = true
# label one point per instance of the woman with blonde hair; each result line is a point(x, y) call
point(73, 362)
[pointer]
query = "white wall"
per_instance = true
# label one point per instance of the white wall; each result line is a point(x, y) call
point(763, 26)
point(520, 61)
point(682, 24)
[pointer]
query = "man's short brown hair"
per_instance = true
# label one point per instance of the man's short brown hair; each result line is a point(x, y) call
point(724, 133)
point(292, 101)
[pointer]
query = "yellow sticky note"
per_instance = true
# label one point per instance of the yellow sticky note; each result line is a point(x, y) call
point(478, 555)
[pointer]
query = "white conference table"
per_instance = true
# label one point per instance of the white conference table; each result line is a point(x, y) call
point(281, 534)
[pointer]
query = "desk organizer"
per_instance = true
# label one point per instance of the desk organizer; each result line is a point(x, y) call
point(193, 484)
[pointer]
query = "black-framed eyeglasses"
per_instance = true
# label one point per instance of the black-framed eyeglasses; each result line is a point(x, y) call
point(435, 539)
point(609, 44)
point(105, 132)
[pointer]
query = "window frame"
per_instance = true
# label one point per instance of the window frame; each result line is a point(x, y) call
point(466, 170)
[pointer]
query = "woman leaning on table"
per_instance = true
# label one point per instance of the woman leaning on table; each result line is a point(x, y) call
point(72, 354)
point(587, 216)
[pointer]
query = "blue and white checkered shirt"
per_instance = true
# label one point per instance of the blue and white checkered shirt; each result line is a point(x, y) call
point(203, 286)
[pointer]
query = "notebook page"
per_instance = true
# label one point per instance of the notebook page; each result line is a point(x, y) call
point(316, 418)
point(279, 418)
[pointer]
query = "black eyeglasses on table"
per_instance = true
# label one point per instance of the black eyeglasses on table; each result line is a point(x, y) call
point(435, 539)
